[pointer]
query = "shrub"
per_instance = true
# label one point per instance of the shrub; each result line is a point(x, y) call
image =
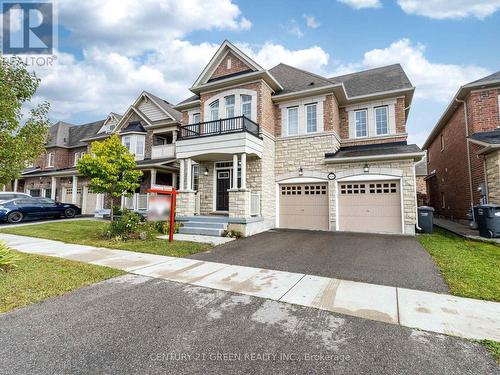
point(7, 258)
point(125, 227)
point(232, 233)
point(164, 227)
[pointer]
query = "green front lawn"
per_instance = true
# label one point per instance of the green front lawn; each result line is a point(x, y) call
point(87, 232)
point(470, 268)
point(38, 277)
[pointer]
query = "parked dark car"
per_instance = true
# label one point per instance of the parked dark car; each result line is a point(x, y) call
point(16, 210)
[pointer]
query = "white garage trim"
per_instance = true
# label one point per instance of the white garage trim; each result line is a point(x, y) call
point(298, 180)
point(368, 177)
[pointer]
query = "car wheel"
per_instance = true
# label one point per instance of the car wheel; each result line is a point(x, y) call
point(15, 217)
point(69, 213)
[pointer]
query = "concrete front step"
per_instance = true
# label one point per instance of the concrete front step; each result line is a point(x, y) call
point(204, 219)
point(201, 230)
point(200, 224)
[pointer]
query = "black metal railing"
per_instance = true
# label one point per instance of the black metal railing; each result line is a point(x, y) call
point(222, 126)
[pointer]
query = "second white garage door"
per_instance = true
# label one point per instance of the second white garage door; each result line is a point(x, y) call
point(371, 206)
point(304, 206)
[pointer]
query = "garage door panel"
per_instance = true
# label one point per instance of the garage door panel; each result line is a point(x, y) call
point(372, 206)
point(304, 206)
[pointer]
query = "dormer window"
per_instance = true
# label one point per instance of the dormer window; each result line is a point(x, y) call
point(214, 110)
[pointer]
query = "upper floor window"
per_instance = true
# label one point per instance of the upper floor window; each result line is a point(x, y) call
point(361, 123)
point(442, 142)
point(195, 176)
point(246, 105)
point(50, 159)
point(76, 157)
point(214, 110)
point(126, 142)
point(293, 121)
point(229, 106)
point(139, 146)
point(312, 121)
point(381, 120)
point(196, 118)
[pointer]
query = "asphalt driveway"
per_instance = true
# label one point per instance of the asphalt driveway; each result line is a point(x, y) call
point(380, 259)
point(133, 324)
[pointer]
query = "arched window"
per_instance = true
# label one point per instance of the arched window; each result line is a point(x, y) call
point(214, 110)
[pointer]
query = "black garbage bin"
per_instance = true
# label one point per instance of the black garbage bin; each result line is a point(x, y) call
point(488, 220)
point(426, 219)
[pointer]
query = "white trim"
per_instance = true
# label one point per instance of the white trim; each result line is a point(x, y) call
point(304, 92)
point(377, 157)
point(369, 177)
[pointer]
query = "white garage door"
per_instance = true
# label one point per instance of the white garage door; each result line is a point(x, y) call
point(90, 204)
point(371, 206)
point(304, 206)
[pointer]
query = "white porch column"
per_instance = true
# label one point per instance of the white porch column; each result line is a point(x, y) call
point(153, 177)
point(243, 171)
point(15, 184)
point(235, 171)
point(53, 188)
point(174, 136)
point(99, 201)
point(3, 187)
point(174, 180)
point(188, 174)
point(75, 186)
point(181, 174)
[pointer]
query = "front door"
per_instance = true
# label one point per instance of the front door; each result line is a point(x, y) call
point(223, 185)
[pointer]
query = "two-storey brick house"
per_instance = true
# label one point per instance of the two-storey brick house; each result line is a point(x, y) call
point(288, 148)
point(463, 151)
point(148, 129)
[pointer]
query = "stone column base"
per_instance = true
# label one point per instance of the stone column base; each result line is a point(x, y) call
point(185, 203)
point(239, 203)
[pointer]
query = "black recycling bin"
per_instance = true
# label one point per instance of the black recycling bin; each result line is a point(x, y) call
point(426, 219)
point(488, 220)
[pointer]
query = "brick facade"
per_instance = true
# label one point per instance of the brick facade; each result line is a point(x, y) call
point(451, 164)
point(493, 176)
point(222, 69)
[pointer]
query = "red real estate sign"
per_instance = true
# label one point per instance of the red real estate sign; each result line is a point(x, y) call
point(161, 207)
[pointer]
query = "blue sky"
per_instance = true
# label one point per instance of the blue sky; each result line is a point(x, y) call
point(109, 51)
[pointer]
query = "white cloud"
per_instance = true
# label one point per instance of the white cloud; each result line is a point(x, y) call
point(450, 9)
point(361, 4)
point(294, 29)
point(311, 21)
point(107, 81)
point(313, 59)
point(136, 26)
point(432, 80)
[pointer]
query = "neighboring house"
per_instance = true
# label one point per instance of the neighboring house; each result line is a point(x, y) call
point(421, 175)
point(148, 129)
point(291, 149)
point(463, 150)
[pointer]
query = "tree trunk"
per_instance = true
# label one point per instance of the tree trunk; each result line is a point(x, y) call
point(112, 203)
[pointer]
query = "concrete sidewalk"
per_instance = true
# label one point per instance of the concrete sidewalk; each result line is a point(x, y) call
point(463, 230)
point(469, 318)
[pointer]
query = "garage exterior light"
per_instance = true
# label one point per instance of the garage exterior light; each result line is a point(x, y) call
point(366, 168)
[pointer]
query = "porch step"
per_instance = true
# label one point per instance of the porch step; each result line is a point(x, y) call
point(201, 230)
point(205, 219)
point(203, 224)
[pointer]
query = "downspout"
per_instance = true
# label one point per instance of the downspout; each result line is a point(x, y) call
point(416, 199)
point(468, 160)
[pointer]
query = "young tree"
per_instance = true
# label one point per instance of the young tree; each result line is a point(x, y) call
point(110, 168)
point(20, 144)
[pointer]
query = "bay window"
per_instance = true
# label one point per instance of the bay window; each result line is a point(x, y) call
point(135, 144)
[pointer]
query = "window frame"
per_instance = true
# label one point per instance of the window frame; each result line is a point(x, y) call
point(231, 107)
point(196, 116)
point(143, 148)
point(195, 177)
point(441, 140)
point(288, 110)
point(365, 111)
point(50, 159)
point(306, 109)
point(246, 103)
point(214, 108)
point(376, 109)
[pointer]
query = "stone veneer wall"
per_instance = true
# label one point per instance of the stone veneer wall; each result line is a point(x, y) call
point(492, 161)
point(206, 187)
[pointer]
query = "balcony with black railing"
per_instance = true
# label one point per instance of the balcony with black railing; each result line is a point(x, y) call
point(218, 127)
